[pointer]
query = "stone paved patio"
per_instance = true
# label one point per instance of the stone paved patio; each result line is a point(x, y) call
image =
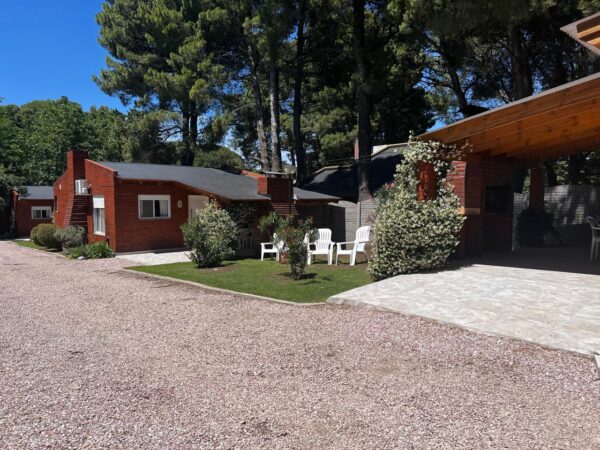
point(549, 307)
point(154, 258)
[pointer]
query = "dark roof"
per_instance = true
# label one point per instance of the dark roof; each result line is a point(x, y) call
point(38, 193)
point(342, 181)
point(214, 181)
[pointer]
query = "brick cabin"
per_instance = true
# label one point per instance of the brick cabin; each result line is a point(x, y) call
point(137, 207)
point(31, 209)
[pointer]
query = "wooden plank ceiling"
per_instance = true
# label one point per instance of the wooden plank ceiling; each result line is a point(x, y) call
point(588, 31)
point(559, 122)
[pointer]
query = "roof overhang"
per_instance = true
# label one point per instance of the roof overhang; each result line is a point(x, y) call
point(558, 122)
point(586, 31)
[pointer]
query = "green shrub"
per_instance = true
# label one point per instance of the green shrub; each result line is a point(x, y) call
point(70, 236)
point(293, 235)
point(412, 235)
point(33, 235)
point(296, 246)
point(75, 252)
point(98, 250)
point(211, 236)
point(43, 235)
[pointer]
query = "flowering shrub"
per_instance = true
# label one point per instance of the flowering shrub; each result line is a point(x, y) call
point(412, 235)
point(211, 235)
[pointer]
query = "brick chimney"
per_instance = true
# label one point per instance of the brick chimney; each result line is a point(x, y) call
point(278, 189)
point(356, 150)
point(76, 157)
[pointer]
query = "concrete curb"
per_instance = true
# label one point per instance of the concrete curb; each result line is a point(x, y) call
point(221, 290)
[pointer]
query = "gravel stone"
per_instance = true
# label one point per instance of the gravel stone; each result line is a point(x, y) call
point(95, 357)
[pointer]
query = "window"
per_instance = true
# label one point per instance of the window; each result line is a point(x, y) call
point(41, 212)
point(98, 215)
point(155, 206)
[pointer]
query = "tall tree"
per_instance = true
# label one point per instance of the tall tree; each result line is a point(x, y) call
point(299, 151)
point(363, 74)
point(157, 60)
point(271, 27)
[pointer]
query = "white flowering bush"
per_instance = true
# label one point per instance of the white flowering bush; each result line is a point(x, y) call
point(211, 235)
point(412, 235)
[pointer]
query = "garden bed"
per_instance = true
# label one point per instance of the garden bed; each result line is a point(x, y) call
point(269, 278)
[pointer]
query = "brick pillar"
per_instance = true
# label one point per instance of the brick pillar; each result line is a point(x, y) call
point(536, 189)
point(76, 162)
point(426, 189)
point(466, 179)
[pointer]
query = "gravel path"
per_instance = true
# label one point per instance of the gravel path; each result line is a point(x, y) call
point(93, 357)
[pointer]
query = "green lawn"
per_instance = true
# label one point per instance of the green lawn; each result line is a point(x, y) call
point(269, 278)
point(29, 244)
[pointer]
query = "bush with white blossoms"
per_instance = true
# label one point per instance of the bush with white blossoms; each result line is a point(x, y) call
point(211, 236)
point(412, 235)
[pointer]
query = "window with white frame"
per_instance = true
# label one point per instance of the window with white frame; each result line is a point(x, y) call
point(41, 212)
point(98, 215)
point(154, 206)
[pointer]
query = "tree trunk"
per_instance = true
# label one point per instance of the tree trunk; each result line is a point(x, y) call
point(193, 132)
point(575, 167)
point(258, 110)
point(298, 79)
point(187, 157)
point(274, 107)
point(550, 173)
point(519, 65)
point(363, 101)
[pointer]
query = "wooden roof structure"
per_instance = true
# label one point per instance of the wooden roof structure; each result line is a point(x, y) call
point(558, 122)
point(586, 31)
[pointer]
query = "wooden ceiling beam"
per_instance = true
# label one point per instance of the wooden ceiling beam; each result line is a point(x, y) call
point(484, 138)
point(543, 132)
point(563, 142)
point(588, 27)
point(554, 152)
point(514, 131)
point(552, 136)
point(595, 42)
point(575, 92)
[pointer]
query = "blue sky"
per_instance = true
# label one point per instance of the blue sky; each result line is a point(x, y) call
point(50, 49)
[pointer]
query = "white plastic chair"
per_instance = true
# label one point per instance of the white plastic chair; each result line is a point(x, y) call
point(358, 245)
point(322, 246)
point(595, 226)
point(271, 248)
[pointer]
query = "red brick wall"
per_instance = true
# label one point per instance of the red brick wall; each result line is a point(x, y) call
point(482, 231)
point(102, 182)
point(64, 187)
point(24, 222)
point(62, 193)
point(135, 234)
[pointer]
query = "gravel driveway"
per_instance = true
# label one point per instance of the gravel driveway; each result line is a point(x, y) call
point(91, 356)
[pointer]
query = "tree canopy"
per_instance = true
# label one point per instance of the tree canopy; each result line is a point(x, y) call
point(261, 83)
